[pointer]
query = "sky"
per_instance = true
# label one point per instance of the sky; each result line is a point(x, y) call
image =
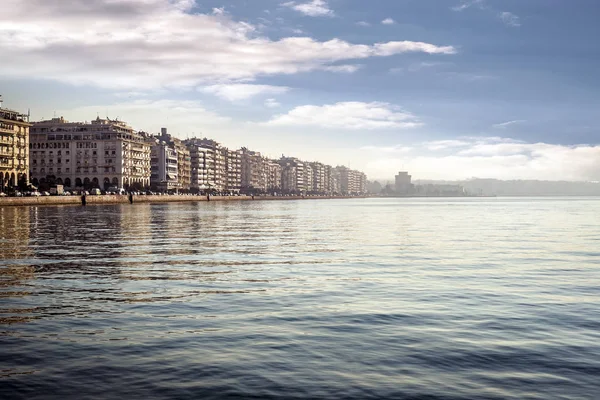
point(446, 89)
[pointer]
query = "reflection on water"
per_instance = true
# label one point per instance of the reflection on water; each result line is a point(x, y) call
point(365, 298)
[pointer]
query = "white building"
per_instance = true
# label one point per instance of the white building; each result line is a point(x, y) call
point(100, 153)
point(164, 167)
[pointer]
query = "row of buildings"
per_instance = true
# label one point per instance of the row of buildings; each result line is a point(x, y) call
point(107, 153)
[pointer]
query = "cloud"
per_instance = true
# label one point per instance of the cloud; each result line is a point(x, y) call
point(141, 114)
point(363, 23)
point(272, 103)
point(509, 19)
point(437, 145)
point(388, 21)
point(149, 44)
point(349, 69)
point(218, 11)
point(391, 48)
point(467, 4)
point(314, 8)
point(347, 115)
point(240, 91)
point(491, 157)
point(506, 17)
point(508, 123)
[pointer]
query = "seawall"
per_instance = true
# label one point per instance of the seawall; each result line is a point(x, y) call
point(112, 199)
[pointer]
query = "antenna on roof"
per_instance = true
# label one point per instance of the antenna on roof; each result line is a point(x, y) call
point(28, 114)
point(1, 100)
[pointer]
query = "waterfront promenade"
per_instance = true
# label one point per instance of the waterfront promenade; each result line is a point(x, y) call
point(111, 199)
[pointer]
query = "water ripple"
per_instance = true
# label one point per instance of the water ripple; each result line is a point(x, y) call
point(365, 299)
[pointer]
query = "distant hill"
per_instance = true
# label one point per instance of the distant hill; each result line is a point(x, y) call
point(524, 187)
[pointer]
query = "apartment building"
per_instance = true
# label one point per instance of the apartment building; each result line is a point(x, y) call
point(207, 164)
point(233, 167)
point(318, 180)
point(351, 182)
point(254, 171)
point(184, 161)
point(100, 153)
point(14, 148)
point(292, 175)
point(273, 176)
point(164, 166)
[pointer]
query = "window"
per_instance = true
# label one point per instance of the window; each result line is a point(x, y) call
point(59, 160)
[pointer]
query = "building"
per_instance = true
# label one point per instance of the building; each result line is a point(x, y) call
point(318, 180)
point(184, 161)
point(207, 164)
point(14, 149)
point(351, 182)
point(233, 167)
point(164, 167)
point(254, 172)
point(308, 179)
point(293, 176)
point(100, 153)
point(273, 177)
point(403, 184)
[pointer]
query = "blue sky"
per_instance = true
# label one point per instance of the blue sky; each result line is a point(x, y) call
point(446, 89)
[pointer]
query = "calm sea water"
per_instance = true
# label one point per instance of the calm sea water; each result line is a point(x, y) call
point(367, 298)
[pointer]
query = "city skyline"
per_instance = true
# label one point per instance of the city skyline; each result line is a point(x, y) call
point(452, 90)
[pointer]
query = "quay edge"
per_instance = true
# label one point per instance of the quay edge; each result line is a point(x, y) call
point(115, 199)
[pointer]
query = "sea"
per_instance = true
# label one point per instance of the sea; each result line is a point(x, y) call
point(378, 298)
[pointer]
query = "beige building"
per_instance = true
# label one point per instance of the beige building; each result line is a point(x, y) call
point(318, 182)
point(273, 176)
point(233, 166)
point(351, 182)
point(14, 149)
point(254, 171)
point(207, 164)
point(101, 153)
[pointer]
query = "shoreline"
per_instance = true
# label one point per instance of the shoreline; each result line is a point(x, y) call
point(123, 199)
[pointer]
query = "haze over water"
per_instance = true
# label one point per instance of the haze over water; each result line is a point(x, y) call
point(369, 298)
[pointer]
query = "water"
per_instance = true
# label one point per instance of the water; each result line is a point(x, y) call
point(367, 298)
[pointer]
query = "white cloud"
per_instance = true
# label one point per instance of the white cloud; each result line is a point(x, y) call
point(272, 103)
point(349, 69)
point(507, 123)
point(509, 18)
point(388, 21)
point(218, 11)
point(467, 4)
point(390, 48)
point(141, 114)
point(314, 8)
point(146, 44)
point(241, 91)
point(491, 157)
point(347, 115)
point(363, 23)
